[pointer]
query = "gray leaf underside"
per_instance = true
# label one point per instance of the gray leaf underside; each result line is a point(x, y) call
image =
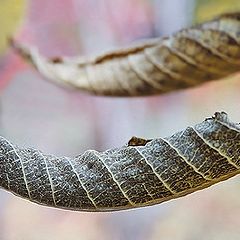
point(190, 57)
point(126, 177)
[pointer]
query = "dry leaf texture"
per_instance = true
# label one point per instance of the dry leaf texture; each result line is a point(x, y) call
point(135, 175)
point(190, 57)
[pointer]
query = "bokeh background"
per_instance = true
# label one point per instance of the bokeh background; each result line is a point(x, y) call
point(36, 113)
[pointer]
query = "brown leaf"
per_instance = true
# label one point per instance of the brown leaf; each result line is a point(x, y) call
point(190, 57)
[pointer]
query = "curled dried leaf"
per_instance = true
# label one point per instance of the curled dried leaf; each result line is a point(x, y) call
point(188, 58)
point(141, 174)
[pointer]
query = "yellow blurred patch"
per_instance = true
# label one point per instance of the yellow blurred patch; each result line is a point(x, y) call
point(11, 13)
point(206, 9)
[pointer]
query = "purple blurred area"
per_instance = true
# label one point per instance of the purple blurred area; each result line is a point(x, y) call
point(63, 122)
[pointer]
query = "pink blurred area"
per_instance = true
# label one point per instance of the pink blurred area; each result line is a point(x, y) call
point(36, 113)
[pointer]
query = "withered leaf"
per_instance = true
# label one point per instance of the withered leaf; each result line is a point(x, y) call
point(131, 176)
point(190, 57)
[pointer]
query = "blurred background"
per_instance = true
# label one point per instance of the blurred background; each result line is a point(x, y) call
point(36, 113)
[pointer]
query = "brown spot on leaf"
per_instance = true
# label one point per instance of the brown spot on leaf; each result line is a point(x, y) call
point(56, 60)
point(136, 141)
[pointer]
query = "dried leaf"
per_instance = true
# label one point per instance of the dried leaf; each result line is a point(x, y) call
point(126, 177)
point(190, 57)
